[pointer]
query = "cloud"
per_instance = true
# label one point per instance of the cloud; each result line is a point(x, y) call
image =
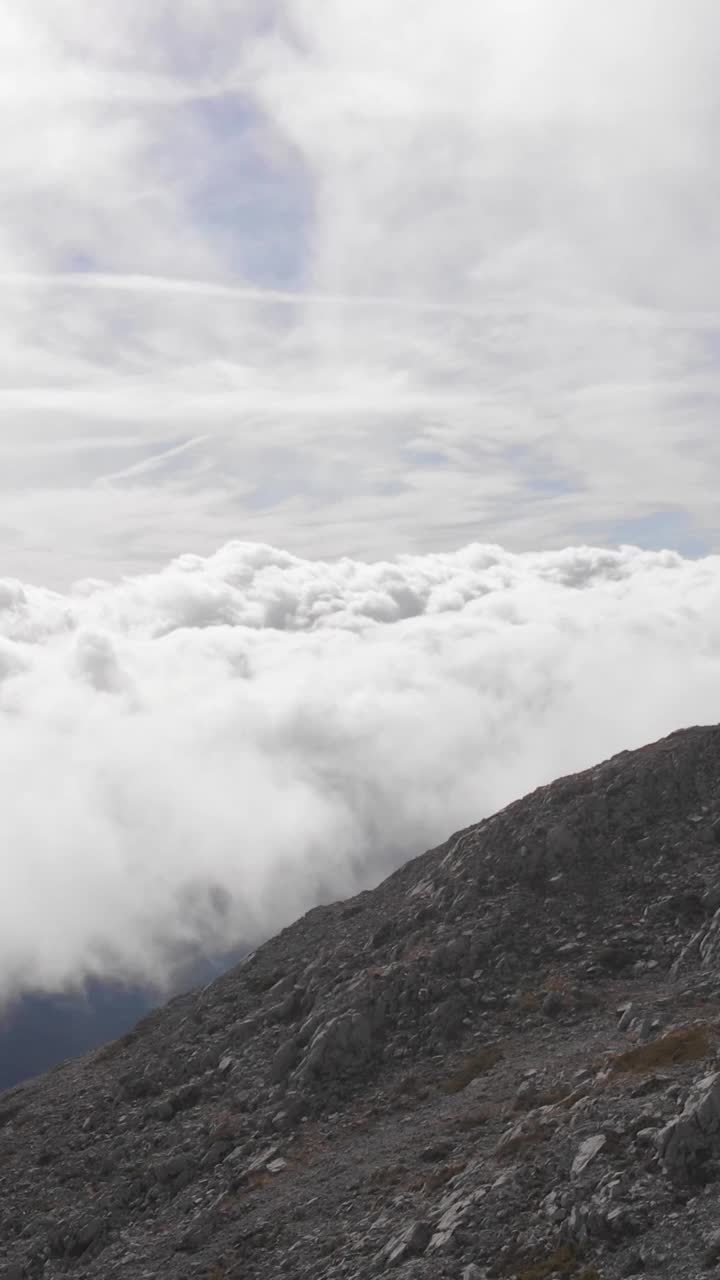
point(401, 266)
point(351, 279)
point(194, 757)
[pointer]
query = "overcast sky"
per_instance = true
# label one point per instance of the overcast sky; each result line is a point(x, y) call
point(359, 455)
point(356, 278)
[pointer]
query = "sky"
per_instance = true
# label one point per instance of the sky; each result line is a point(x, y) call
point(352, 278)
point(359, 368)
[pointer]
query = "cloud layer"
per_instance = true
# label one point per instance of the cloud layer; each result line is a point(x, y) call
point(352, 277)
point(194, 757)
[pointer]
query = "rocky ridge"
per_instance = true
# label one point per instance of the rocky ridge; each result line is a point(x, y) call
point(501, 1062)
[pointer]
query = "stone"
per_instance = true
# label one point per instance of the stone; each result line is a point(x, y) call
point(690, 1140)
point(711, 1248)
point(527, 1095)
point(437, 1151)
point(162, 1110)
point(534, 1127)
point(188, 1095)
point(412, 1242)
point(587, 1152)
point(452, 1220)
point(553, 1004)
point(168, 1170)
point(626, 1017)
point(283, 1061)
point(86, 1233)
point(447, 1018)
point(341, 1044)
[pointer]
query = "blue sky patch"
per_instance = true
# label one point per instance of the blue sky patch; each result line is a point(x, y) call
point(659, 531)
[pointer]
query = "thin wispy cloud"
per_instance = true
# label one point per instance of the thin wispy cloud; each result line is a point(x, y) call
point(154, 462)
point(375, 256)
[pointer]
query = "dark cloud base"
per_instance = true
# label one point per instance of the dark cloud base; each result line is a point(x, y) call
point(39, 1031)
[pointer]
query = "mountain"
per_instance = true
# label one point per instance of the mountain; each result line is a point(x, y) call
point(501, 1062)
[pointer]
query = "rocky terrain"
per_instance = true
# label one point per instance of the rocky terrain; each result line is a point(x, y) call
point(502, 1062)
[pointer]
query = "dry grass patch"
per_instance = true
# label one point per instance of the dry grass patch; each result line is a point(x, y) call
point(555, 1097)
point(682, 1044)
point(471, 1121)
point(563, 1261)
point(519, 1138)
point(530, 1001)
point(475, 1065)
point(112, 1050)
point(408, 1091)
point(557, 981)
point(435, 1178)
point(388, 1176)
point(261, 1179)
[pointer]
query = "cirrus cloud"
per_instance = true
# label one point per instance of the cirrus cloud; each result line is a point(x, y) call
point(410, 275)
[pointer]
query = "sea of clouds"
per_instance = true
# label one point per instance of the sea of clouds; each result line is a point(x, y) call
point(192, 758)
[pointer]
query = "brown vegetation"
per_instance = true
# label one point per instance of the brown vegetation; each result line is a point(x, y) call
point(563, 1261)
point(477, 1064)
point(682, 1044)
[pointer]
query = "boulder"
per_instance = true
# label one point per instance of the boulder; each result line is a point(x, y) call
point(687, 1143)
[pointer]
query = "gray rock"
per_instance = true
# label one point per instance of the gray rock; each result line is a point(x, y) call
point(527, 1095)
point(687, 1142)
point(626, 1017)
point(162, 1110)
point(711, 897)
point(85, 1234)
point(187, 1096)
point(289, 1008)
point(168, 1170)
point(447, 1018)
point(342, 1044)
point(412, 1242)
point(587, 1152)
point(553, 1004)
point(437, 1151)
point(453, 1219)
point(711, 1250)
point(283, 1061)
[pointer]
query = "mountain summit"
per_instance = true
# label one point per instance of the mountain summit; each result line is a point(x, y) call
point(501, 1062)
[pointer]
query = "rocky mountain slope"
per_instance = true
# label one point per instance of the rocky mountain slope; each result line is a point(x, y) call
point(502, 1062)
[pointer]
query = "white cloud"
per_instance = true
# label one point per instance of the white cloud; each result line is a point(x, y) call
point(373, 255)
point(197, 756)
point(351, 278)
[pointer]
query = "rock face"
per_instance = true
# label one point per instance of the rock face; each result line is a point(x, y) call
point(689, 1144)
point(501, 1062)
